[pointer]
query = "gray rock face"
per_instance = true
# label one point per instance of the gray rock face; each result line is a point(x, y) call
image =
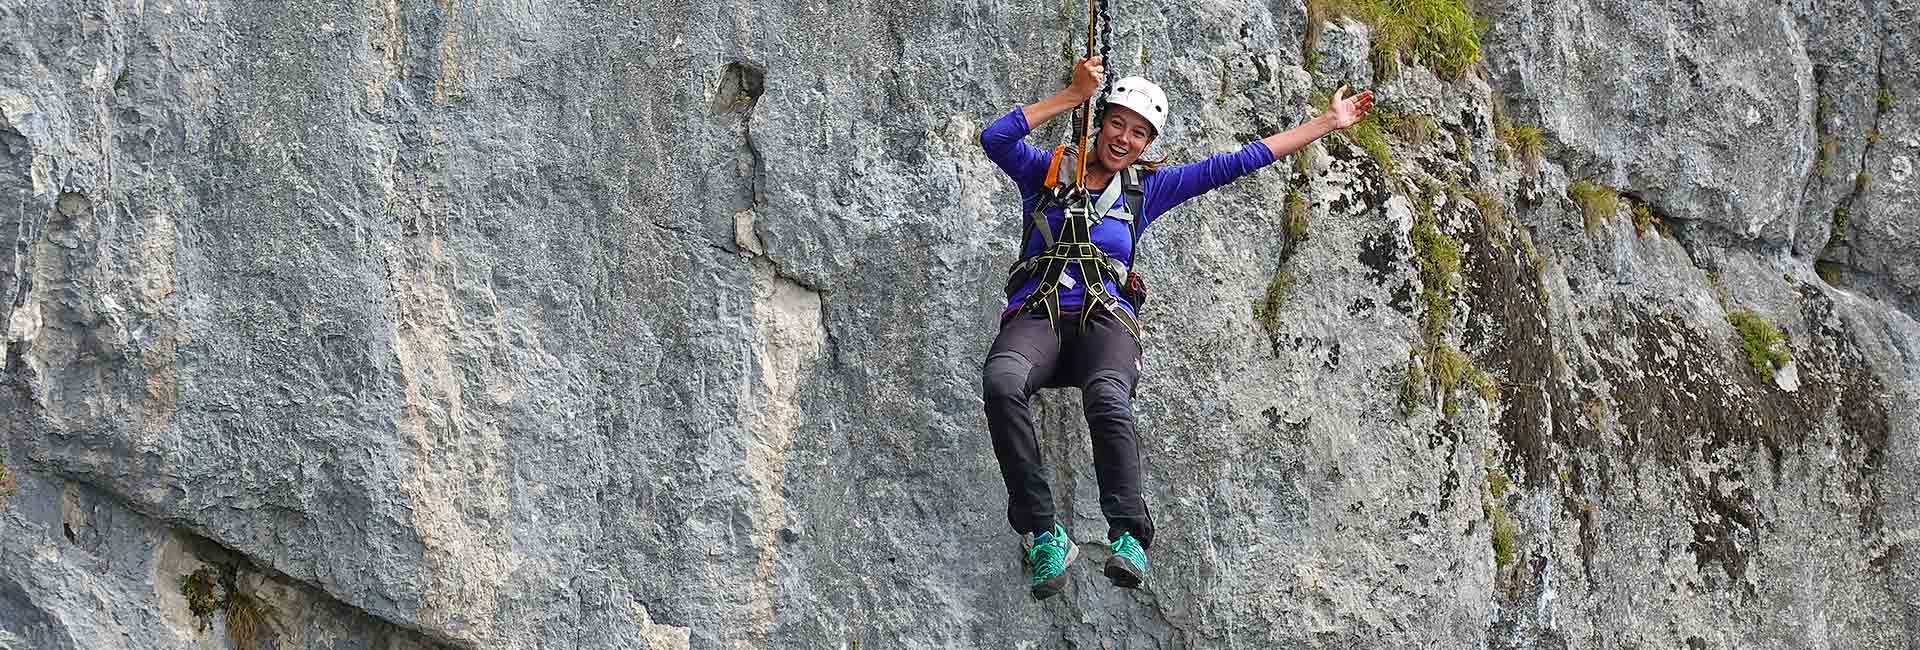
point(81, 570)
point(658, 324)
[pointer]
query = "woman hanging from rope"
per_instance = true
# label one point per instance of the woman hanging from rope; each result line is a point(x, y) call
point(1071, 307)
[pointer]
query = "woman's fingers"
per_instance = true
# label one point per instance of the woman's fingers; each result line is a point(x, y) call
point(1363, 102)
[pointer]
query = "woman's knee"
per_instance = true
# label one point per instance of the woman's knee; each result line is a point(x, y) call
point(1106, 390)
point(1005, 376)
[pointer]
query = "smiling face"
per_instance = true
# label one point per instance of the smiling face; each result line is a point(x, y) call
point(1124, 135)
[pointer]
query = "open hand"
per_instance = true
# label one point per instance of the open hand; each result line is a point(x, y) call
point(1346, 111)
point(1088, 74)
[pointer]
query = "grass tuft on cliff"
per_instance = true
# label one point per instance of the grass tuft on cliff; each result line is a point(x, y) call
point(1528, 142)
point(1438, 256)
point(1436, 33)
point(1597, 202)
point(1644, 219)
point(202, 591)
point(249, 620)
point(1765, 346)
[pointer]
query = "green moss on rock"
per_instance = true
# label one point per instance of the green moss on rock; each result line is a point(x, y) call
point(1505, 532)
point(1267, 310)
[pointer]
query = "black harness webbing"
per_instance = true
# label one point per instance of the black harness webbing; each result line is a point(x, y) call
point(1073, 248)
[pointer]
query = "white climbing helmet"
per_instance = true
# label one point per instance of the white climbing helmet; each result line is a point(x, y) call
point(1143, 97)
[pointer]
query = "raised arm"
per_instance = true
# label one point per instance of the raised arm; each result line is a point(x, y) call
point(1004, 140)
point(1176, 184)
point(1087, 75)
point(1341, 113)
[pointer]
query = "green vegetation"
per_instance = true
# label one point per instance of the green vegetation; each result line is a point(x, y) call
point(1823, 157)
point(201, 588)
point(1529, 142)
point(1829, 271)
point(7, 483)
point(1861, 182)
point(1436, 33)
point(1296, 212)
point(1371, 136)
point(1643, 219)
point(1450, 366)
point(1415, 128)
point(1461, 146)
point(1841, 217)
point(1226, 87)
point(1884, 100)
point(1497, 482)
point(1267, 311)
point(1370, 133)
point(1597, 202)
point(1485, 384)
point(210, 591)
point(1493, 215)
point(1504, 532)
point(1765, 346)
point(1433, 188)
point(1438, 256)
point(1539, 264)
point(249, 620)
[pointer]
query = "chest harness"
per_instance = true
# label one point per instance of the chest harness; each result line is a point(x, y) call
point(1073, 249)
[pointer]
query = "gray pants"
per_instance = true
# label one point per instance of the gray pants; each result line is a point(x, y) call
point(1102, 360)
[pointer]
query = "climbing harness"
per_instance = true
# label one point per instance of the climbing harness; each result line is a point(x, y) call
point(1072, 251)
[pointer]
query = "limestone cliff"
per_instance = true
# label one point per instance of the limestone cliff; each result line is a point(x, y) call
point(657, 323)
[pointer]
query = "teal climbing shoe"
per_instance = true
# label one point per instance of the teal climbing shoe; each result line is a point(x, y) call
point(1047, 557)
point(1128, 566)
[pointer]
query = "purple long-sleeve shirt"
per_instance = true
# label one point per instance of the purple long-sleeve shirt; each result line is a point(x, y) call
point(1161, 190)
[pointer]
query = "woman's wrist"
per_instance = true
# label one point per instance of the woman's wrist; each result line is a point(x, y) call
point(1323, 124)
point(1079, 95)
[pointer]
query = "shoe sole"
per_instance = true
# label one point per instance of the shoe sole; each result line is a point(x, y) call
point(1122, 573)
point(1057, 583)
